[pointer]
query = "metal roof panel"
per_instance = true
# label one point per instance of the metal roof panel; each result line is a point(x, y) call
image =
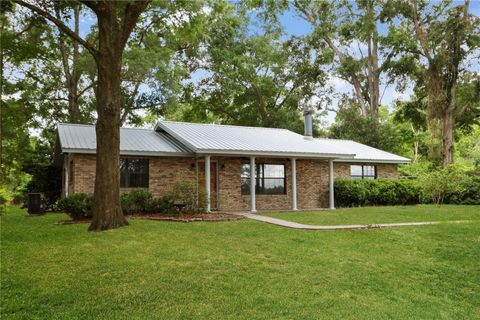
point(229, 139)
point(132, 140)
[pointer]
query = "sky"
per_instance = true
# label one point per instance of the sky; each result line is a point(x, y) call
point(296, 26)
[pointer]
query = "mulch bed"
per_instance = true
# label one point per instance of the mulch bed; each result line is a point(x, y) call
point(187, 217)
point(192, 217)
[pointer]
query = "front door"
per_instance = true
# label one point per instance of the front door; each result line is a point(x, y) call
point(213, 181)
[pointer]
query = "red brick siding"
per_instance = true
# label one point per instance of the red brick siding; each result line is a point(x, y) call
point(312, 180)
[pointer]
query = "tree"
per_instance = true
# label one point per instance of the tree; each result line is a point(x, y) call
point(116, 21)
point(18, 44)
point(158, 57)
point(412, 114)
point(71, 58)
point(381, 133)
point(438, 39)
point(351, 31)
point(252, 79)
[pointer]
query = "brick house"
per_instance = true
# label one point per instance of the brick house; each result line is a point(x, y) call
point(291, 171)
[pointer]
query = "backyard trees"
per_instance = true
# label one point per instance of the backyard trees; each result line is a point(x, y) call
point(351, 31)
point(255, 79)
point(437, 41)
point(116, 21)
point(18, 44)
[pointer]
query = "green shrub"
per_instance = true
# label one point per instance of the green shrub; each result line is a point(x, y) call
point(438, 185)
point(187, 197)
point(77, 206)
point(469, 191)
point(135, 201)
point(163, 204)
point(5, 198)
point(351, 192)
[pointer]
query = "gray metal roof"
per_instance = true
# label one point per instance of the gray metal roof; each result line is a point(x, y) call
point(77, 138)
point(187, 139)
point(255, 141)
point(364, 153)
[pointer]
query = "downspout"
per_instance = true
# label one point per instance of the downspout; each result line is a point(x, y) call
point(331, 181)
point(66, 170)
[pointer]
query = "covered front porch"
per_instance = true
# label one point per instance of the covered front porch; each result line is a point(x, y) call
point(238, 183)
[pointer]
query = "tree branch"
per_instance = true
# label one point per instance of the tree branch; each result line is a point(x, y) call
point(59, 24)
point(419, 31)
point(129, 105)
point(63, 50)
point(354, 79)
point(90, 86)
point(132, 12)
point(90, 4)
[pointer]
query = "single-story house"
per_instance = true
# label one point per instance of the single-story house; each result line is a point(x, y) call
point(292, 171)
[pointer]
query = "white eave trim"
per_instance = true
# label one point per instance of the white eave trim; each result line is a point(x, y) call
point(374, 161)
point(132, 153)
point(275, 154)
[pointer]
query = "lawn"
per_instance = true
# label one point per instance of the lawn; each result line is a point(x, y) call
point(238, 270)
point(368, 215)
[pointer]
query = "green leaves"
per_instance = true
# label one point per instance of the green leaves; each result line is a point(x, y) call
point(251, 76)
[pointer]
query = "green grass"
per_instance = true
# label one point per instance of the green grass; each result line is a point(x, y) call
point(368, 215)
point(237, 270)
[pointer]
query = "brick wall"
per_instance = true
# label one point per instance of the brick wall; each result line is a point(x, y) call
point(163, 172)
point(312, 179)
point(82, 173)
point(384, 170)
point(387, 171)
point(312, 184)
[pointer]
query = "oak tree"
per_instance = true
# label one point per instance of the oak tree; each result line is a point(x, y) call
point(116, 20)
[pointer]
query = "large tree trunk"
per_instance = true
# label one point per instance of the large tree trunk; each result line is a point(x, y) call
point(448, 126)
point(373, 71)
point(107, 212)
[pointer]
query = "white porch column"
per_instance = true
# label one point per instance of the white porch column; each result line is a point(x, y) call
point(294, 183)
point(207, 181)
point(330, 185)
point(253, 208)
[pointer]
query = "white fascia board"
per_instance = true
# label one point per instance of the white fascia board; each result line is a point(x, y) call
point(133, 153)
point(278, 154)
point(374, 161)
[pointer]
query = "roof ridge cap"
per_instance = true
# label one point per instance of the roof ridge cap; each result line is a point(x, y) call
point(224, 125)
point(323, 138)
point(92, 125)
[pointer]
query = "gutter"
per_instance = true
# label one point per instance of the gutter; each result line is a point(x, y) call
point(406, 161)
point(279, 154)
point(132, 153)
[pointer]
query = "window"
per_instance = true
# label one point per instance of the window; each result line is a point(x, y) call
point(133, 173)
point(270, 178)
point(363, 172)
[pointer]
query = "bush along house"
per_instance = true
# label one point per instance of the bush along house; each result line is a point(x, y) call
point(240, 168)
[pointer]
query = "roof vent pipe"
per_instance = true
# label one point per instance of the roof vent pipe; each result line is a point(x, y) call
point(308, 122)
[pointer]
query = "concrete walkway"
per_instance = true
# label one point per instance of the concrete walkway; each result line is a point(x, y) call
point(296, 225)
